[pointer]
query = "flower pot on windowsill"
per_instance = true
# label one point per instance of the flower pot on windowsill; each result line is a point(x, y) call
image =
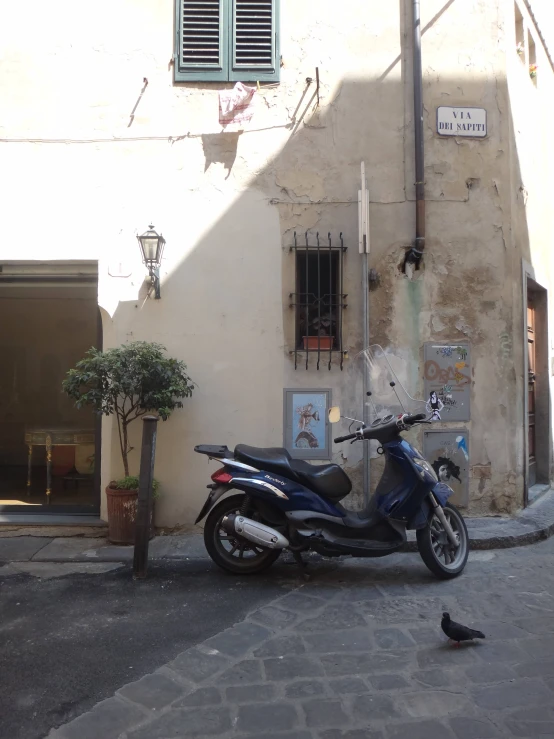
point(122, 514)
point(323, 343)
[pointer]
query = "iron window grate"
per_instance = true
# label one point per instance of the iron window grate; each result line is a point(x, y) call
point(319, 300)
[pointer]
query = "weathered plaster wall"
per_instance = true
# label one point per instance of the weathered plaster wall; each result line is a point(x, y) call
point(464, 290)
point(532, 217)
point(84, 176)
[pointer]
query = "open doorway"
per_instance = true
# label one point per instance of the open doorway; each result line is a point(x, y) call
point(49, 450)
point(537, 397)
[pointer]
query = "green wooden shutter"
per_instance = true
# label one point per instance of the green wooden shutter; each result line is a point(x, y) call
point(202, 40)
point(255, 40)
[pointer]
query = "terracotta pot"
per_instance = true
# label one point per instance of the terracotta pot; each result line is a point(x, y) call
point(122, 515)
point(323, 343)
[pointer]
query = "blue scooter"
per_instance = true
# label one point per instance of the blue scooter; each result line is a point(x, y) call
point(286, 503)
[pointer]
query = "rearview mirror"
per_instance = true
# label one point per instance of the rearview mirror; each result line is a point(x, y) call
point(334, 414)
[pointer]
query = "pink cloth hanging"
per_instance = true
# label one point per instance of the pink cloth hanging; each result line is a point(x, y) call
point(235, 106)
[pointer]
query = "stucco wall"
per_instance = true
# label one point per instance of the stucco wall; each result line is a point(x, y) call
point(532, 217)
point(228, 204)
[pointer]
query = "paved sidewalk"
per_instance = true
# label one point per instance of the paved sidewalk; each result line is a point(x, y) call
point(30, 553)
point(357, 653)
point(530, 525)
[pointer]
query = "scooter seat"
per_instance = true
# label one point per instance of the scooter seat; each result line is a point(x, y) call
point(328, 480)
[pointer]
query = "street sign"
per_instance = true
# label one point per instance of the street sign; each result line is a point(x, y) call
point(468, 122)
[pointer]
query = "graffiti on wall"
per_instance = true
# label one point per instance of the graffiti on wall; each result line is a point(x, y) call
point(447, 378)
point(447, 452)
point(505, 346)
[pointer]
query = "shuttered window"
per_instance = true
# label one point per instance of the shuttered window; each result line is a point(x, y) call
point(227, 40)
point(253, 42)
point(201, 34)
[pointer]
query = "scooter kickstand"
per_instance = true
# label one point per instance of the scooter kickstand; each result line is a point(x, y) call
point(303, 566)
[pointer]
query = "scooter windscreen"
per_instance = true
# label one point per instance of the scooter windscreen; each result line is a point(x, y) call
point(385, 374)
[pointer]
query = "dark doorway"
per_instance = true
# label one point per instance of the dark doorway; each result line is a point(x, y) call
point(49, 450)
point(537, 418)
point(531, 387)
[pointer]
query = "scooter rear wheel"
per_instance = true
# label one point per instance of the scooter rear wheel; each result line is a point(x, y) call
point(436, 550)
point(233, 553)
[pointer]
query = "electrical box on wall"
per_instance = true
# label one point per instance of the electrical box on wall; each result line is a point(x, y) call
point(447, 377)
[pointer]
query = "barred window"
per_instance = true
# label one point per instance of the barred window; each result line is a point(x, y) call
point(318, 300)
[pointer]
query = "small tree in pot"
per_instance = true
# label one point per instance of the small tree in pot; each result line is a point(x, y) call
point(128, 382)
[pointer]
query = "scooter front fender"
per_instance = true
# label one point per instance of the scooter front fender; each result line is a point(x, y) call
point(442, 492)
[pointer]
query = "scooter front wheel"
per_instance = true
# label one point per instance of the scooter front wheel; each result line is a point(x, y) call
point(439, 554)
point(233, 553)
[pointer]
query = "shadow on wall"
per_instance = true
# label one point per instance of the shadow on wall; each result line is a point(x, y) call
point(222, 148)
point(224, 308)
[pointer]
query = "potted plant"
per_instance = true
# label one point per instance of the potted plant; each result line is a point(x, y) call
point(128, 382)
point(320, 333)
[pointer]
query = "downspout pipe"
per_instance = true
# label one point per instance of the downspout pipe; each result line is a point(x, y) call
point(415, 253)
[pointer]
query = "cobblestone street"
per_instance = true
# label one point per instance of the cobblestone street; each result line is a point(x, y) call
point(357, 653)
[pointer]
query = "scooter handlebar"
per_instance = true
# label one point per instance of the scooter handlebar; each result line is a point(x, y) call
point(348, 437)
point(368, 432)
point(414, 419)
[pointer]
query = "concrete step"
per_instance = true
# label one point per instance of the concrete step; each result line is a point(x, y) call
point(51, 525)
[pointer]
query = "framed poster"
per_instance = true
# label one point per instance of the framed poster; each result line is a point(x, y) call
point(447, 451)
point(307, 431)
point(447, 377)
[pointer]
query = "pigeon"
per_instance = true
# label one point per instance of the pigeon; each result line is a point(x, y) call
point(457, 632)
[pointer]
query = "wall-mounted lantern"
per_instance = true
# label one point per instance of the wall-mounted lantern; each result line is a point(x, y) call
point(152, 247)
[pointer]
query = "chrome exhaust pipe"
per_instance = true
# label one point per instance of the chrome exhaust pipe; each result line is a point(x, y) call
point(256, 532)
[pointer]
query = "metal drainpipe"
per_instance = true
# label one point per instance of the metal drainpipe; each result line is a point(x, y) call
point(414, 254)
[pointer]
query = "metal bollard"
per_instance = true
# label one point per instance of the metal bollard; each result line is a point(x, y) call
point(144, 508)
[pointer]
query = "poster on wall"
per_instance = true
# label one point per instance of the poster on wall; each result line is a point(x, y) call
point(447, 377)
point(307, 432)
point(447, 451)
